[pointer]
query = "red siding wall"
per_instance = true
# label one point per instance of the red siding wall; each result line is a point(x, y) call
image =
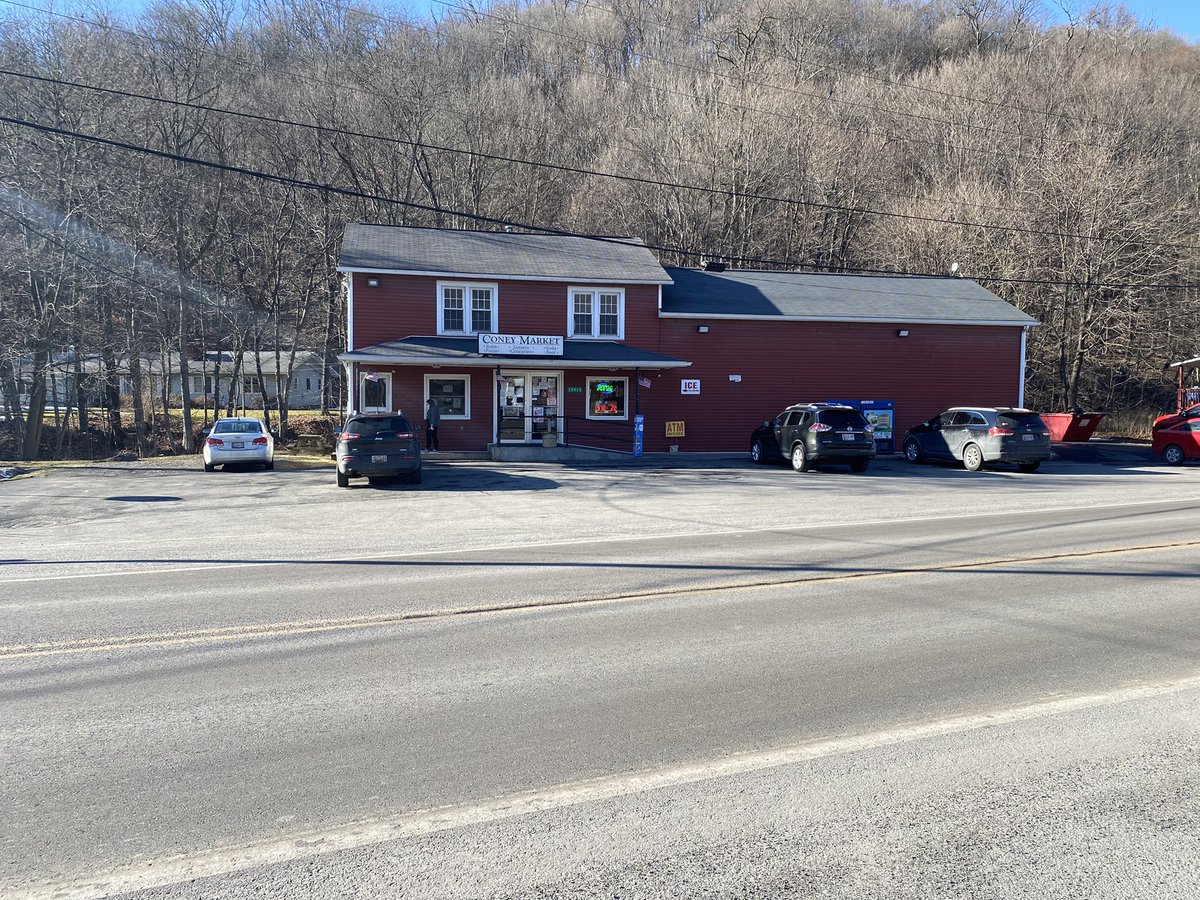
point(781, 363)
point(405, 305)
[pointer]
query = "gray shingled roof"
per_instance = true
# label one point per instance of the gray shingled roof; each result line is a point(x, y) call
point(465, 351)
point(498, 254)
point(836, 297)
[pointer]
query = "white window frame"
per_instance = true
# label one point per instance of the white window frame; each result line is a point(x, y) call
point(386, 378)
point(453, 376)
point(587, 399)
point(467, 287)
point(595, 292)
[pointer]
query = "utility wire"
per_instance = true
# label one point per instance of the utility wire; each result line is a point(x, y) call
point(790, 118)
point(651, 182)
point(545, 229)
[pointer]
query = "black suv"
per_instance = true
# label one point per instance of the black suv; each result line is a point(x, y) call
point(377, 447)
point(811, 434)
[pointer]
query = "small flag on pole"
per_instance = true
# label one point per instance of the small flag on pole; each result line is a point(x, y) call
point(643, 381)
point(371, 376)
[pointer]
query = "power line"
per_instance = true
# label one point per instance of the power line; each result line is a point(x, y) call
point(492, 220)
point(391, 98)
point(651, 182)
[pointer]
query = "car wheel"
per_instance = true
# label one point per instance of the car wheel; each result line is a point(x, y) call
point(415, 477)
point(209, 467)
point(859, 465)
point(269, 465)
point(343, 479)
point(1173, 455)
point(800, 459)
point(972, 458)
point(1028, 467)
point(757, 454)
point(912, 451)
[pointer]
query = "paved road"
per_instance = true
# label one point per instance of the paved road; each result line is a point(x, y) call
point(593, 682)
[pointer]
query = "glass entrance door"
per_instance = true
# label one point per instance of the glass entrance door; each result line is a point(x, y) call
point(512, 399)
point(543, 405)
point(529, 405)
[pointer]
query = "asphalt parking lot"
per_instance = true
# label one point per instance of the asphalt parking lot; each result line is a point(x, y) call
point(175, 510)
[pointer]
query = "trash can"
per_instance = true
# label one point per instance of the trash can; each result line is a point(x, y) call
point(1072, 427)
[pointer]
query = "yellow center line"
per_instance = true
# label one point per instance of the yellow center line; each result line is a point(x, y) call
point(314, 626)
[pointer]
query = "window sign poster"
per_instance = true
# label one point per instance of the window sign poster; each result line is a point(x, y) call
point(689, 386)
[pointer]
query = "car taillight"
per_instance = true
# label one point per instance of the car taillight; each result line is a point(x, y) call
point(350, 436)
point(1000, 432)
point(820, 426)
point(215, 442)
point(260, 440)
point(405, 435)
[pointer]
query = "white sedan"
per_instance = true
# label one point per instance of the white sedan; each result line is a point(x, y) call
point(238, 441)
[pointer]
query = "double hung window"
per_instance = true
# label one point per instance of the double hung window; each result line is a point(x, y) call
point(466, 308)
point(596, 313)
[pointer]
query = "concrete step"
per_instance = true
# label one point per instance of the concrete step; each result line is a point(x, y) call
point(454, 456)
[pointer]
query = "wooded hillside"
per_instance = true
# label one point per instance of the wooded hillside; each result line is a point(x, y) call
point(181, 179)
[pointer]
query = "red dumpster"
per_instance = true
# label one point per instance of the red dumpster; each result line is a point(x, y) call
point(1072, 427)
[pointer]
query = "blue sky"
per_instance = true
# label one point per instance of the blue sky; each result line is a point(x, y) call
point(1180, 16)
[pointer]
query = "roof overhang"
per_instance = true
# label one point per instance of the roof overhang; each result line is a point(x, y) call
point(871, 320)
point(521, 362)
point(573, 278)
point(1186, 364)
point(443, 352)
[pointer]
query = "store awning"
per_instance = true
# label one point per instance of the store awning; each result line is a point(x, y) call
point(455, 351)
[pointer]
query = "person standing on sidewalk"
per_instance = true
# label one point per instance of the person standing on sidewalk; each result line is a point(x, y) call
point(433, 418)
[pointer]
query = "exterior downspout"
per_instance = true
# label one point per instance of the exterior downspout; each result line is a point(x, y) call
point(1021, 385)
point(350, 385)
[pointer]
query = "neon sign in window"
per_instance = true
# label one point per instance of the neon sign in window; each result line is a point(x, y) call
point(606, 398)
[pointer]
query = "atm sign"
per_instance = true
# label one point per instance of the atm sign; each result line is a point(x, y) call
point(675, 429)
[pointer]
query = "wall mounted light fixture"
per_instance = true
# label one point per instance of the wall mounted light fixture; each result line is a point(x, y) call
point(372, 282)
point(703, 329)
point(903, 332)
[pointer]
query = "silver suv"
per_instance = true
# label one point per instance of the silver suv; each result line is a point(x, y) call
point(977, 435)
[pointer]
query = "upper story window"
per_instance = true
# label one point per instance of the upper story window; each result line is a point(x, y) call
point(596, 313)
point(466, 308)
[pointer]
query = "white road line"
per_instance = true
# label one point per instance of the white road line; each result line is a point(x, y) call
point(1177, 506)
point(147, 874)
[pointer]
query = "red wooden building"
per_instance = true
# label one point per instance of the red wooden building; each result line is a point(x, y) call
point(520, 336)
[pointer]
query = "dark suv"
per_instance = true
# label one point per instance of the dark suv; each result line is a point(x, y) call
point(981, 434)
point(811, 434)
point(377, 447)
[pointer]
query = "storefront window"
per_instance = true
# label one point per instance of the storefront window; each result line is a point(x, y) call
point(606, 398)
point(452, 393)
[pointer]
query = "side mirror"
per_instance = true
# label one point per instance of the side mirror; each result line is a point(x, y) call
point(767, 423)
point(206, 432)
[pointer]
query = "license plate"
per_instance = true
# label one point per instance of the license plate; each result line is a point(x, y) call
point(848, 437)
point(239, 445)
point(1027, 437)
point(379, 457)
